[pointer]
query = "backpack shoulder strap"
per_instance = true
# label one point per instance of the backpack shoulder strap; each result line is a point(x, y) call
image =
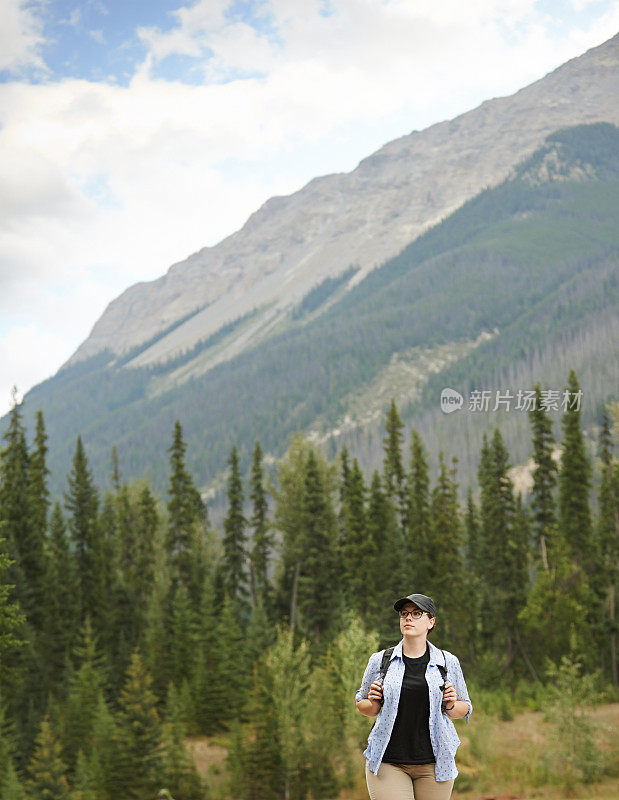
point(384, 664)
point(443, 668)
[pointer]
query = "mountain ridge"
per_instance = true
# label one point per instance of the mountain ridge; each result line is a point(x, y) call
point(362, 217)
point(536, 265)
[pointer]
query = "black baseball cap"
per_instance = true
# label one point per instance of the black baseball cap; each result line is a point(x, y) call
point(422, 601)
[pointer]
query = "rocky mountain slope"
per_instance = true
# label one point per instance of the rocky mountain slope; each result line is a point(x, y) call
point(361, 218)
point(518, 285)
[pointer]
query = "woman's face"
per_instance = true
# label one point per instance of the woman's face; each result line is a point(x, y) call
point(415, 627)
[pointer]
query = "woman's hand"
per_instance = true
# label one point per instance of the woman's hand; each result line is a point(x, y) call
point(449, 695)
point(376, 692)
point(370, 706)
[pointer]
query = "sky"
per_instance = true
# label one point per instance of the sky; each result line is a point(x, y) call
point(135, 132)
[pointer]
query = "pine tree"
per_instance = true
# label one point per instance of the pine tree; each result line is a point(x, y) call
point(10, 786)
point(11, 617)
point(518, 586)
point(357, 546)
point(120, 521)
point(474, 569)
point(323, 732)
point(179, 770)
point(127, 522)
point(115, 477)
point(25, 545)
point(418, 534)
point(393, 468)
point(344, 492)
point(8, 742)
point(186, 510)
point(84, 787)
point(183, 636)
point(79, 709)
point(499, 551)
point(147, 526)
point(235, 763)
point(82, 503)
point(262, 536)
point(39, 505)
point(105, 762)
point(288, 513)
point(552, 619)
point(471, 533)
point(318, 586)
point(47, 770)
point(575, 482)
point(115, 622)
point(156, 635)
point(235, 578)
point(38, 477)
point(388, 569)
point(139, 735)
point(345, 661)
point(544, 479)
point(608, 543)
point(288, 668)
point(60, 620)
point(232, 670)
point(345, 474)
point(445, 577)
point(208, 682)
point(263, 770)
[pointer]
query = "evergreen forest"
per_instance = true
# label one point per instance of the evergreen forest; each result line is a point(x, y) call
point(132, 628)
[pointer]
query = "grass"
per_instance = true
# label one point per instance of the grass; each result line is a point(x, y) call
point(517, 759)
point(498, 759)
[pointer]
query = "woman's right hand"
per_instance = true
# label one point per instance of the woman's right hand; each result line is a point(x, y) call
point(376, 692)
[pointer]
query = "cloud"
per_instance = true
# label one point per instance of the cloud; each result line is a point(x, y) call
point(105, 185)
point(21, 35)
point(24, 362)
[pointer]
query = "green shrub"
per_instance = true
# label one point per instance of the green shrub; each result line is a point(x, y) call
point(573, 748)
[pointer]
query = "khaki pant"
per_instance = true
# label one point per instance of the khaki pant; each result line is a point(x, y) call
point(406, 782)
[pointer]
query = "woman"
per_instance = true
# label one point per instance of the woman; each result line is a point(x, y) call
point(412, 744)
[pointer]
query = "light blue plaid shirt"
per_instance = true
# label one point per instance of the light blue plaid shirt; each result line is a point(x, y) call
point(443, 736)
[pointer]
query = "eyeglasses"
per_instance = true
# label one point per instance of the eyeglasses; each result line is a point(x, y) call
point(416, 614)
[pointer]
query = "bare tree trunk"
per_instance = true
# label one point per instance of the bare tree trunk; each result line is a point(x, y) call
point(542, 542)
point(527, 660)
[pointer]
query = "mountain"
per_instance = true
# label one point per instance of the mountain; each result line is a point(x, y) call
point(359, 219)
point(518, 284)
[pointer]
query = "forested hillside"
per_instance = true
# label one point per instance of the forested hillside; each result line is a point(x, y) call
point(530, 264)
point(128, 627)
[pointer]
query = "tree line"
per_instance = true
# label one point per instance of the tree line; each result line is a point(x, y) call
point(128, 625)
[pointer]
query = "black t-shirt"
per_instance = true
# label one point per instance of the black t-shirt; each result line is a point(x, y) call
point(410, 738)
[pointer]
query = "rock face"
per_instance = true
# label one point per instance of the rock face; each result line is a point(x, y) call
point(363, 217)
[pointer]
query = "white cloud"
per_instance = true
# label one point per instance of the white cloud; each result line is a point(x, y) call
point(28, 354)
point(20, 35)
point(105, 185)
point(97, 36)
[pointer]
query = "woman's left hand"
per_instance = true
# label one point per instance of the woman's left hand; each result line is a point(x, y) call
point(449, 695)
